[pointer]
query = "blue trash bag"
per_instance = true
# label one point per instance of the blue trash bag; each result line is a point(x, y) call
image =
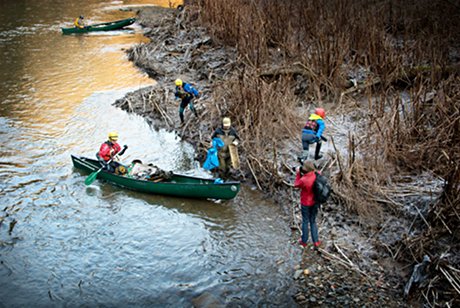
point(212, 161)
point(218, 181)
point(217, 143)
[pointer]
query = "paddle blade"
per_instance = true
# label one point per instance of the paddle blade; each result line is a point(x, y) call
point(90, 179)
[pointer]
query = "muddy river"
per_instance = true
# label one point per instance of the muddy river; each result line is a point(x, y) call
point(66, 244)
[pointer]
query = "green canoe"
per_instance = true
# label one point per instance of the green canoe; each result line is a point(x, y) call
point(107, 26)
point(178, 185)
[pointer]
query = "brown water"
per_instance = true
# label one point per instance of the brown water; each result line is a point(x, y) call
point(74, 245)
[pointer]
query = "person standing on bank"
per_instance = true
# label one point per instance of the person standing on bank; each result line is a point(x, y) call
point(229, 136)
point(305, 177)
point(109, 151)
point(186, 92)
point(312, 132)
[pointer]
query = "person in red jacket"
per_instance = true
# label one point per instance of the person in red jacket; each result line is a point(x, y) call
point(305, 177)
point(109, 152)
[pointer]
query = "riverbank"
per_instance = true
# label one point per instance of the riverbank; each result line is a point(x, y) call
point(352, 266)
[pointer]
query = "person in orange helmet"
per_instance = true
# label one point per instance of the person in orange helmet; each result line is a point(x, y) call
point(312, 132)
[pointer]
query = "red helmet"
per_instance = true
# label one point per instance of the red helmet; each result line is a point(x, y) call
point(320, 112)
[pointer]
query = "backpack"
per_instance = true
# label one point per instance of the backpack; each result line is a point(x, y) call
point(321, 189)
point(311, 125)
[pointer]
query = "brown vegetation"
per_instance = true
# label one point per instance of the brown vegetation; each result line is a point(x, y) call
point(382, 48)
point(394, 65)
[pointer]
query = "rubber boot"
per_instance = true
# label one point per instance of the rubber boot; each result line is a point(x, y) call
point(195, 113)
point(304, 156)
point(317, 150)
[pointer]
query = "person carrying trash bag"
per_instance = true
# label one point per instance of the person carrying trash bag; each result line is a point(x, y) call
point(304, 180)
point(212, 160)
point(312, 132)
point(186, 92)
point(230, 138)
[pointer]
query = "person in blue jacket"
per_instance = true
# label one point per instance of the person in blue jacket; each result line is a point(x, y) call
point(186, 92)
point(312, 132)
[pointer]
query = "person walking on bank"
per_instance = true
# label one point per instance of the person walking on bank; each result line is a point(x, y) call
point(312, 132)
point(186, 92)
point(305, 177)
point(109, 151)
point(229, 136)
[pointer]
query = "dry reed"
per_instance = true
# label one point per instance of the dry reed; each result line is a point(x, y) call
point(378, 47)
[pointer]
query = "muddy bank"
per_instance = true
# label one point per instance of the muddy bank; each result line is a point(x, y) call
point(353, 267)
point(179, 50)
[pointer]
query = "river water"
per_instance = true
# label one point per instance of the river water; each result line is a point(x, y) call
point(65, 244)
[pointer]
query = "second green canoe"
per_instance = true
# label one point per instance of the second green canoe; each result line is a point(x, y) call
point(179, 185)
point(106, 26)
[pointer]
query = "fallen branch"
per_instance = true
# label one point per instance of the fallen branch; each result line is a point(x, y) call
point(453, 283)
point(254, 175)
point(335, 258)
point(343, 255)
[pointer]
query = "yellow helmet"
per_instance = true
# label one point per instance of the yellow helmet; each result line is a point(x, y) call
point(113, 136)
point(226, 122)
point(179, 82)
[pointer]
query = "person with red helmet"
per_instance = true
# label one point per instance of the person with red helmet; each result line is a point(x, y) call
point(312, 133)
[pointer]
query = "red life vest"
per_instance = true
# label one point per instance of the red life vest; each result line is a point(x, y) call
point(109, 150)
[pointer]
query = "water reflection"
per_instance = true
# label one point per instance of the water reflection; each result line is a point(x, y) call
point(73, 245)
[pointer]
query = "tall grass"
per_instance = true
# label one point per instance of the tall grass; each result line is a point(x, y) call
point(413, 44)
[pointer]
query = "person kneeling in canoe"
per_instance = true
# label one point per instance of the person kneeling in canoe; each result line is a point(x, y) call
point(79, 22)
point(108, 154)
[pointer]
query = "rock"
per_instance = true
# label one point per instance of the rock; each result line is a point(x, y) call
point(297, 274)
point(300, 298)
point(206, 300)
point(306, 272)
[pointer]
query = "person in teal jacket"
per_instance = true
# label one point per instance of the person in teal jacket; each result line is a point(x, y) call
point(312, 132)
point(186, 93)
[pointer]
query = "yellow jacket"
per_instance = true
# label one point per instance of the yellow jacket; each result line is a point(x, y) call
point(78, 24)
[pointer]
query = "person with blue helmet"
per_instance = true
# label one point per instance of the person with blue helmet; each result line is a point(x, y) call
point(186, 92)
point(312, 132)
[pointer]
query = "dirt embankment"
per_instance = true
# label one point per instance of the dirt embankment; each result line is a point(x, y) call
point(349, 270)
point(178, 50)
